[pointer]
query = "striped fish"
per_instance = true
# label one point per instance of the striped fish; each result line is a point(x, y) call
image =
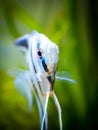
point(42, 59)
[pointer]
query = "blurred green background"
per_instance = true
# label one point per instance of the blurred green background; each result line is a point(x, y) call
point(72, 25)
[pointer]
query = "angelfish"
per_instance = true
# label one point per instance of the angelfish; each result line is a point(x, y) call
point(42, 60)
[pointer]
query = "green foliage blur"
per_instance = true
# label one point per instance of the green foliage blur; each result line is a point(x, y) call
point(71, 24)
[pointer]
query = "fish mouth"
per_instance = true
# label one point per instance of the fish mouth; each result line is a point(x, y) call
point(51, 79)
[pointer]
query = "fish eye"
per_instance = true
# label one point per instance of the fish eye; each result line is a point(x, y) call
point(39, 53)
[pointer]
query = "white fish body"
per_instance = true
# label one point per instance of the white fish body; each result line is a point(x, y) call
point(42, 59)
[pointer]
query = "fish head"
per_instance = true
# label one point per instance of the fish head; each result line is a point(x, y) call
point(43, 53)
point(47, 52)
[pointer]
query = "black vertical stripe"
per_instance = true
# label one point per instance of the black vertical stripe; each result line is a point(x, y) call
point(42, 111)
point(51, 80)
point(35, 71)
point(44, 65)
